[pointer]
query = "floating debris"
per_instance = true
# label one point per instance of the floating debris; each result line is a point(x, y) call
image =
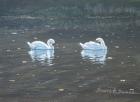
point(35, 38)
point(24, 62)
point(128, 56)
point(81, 62)
point(131, 90)
point(12, 80)
point(60, 33)
point(122, 80)
point(117, 47)
point(55, 70)
point(48, 26)
point(80, 86)
point(122, 62)
point(33, 75)
point(75, 51)
point(133, 65)
point(64, 47)
point(26, 29)
point(86, 69)
point(109, 58)
point(17, 74)
point(52, 28)
point(18, 48)
point(75, 27)
point(22, 32)
point(14, 33)
point(51, 18)
point(13, 40)
point(61, 90)
point(8, 50)
point(72, 37)
point(81, 36)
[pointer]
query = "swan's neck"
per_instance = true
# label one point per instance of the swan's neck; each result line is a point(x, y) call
point(50, 45)
point(103, 44)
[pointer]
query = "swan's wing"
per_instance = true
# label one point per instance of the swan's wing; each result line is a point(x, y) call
point(39, 45)
point(91, 45)
point(88, 53)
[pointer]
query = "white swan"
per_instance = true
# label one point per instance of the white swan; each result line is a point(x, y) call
point(99, 44)
point(39, 45)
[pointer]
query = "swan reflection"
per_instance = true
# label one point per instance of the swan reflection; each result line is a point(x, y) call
point(97, 56)
point(42, 56)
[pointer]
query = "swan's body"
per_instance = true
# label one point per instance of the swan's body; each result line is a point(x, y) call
point(42, 55)
point(39, 45)
point(97, 56)
point(91, 45)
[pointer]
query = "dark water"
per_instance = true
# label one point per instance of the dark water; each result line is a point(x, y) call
point(68, 76)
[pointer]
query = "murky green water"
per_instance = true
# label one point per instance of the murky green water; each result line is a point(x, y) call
point(68, 76)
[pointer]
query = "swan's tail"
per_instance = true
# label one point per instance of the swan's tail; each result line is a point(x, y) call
point(29, 44)
point(82, 45)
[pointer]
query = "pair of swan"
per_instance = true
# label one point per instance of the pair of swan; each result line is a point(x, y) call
point(98, 44)
point(94, 50)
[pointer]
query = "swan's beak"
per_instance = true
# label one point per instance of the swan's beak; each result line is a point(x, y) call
point(53, 42)
point(98, 41)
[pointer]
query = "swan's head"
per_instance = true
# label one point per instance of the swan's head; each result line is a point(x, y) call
point(100, 40)
point(51, 41)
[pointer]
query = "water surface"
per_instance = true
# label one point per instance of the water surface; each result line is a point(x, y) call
point(68, 76)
